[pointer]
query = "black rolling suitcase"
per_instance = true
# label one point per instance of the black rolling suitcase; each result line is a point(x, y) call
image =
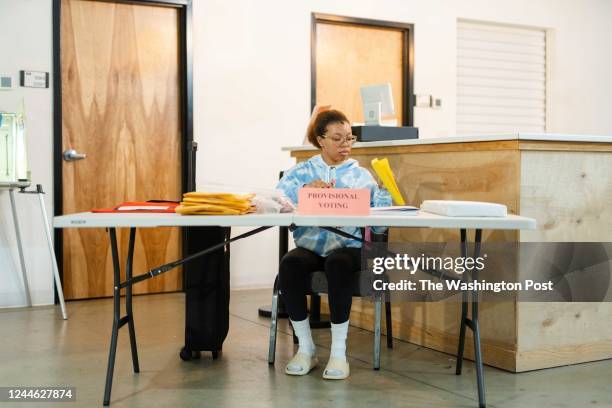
point(207, 293)
point(207, 285)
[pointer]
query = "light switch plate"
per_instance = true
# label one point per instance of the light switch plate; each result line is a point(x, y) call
point(6, 82)
point(423, 101)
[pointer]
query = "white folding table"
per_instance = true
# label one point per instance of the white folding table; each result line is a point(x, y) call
point(263, 222)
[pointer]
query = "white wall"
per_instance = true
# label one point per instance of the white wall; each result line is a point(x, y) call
point(252, 81)
point(252, 93)
point(25, 28)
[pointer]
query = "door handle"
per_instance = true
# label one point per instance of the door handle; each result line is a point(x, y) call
point(72, 155)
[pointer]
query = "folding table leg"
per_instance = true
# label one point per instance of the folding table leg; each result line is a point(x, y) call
point(472, 322)
point(128, 301)
point(388, 323)
point(476, 329)
point(388, 318)
point(377, 319)
point(477, 354)
point(464, 310)
point(116, 317)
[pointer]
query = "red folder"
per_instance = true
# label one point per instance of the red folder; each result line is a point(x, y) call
point(170, 206)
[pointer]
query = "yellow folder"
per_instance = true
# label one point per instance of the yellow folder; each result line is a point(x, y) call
point(383, 170)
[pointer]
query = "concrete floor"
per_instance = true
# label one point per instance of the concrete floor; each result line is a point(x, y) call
point(38, 348)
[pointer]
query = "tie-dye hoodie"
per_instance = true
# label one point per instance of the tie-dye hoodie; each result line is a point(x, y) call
point(347, 175)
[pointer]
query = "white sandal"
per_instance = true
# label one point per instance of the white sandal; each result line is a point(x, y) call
point(305, 363)
point(336, 369)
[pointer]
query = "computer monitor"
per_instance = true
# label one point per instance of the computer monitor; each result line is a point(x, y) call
point(377, 101)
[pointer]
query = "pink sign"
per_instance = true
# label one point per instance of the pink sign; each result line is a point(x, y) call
point(333, 201)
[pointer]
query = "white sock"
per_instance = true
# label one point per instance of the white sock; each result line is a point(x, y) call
point(302, 332)
point(339, 333)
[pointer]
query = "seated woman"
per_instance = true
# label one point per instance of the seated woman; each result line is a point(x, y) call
point(318, 249)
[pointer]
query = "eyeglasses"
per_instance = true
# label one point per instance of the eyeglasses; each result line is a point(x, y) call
point(339, 140)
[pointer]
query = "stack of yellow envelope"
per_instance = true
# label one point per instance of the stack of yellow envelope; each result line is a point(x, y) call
point(382, 168)
point(201, 203)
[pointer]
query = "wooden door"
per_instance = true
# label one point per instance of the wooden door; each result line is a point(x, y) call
point(349, 55)
point(121, 106)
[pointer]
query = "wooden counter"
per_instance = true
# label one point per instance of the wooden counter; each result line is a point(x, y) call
point(563, 181)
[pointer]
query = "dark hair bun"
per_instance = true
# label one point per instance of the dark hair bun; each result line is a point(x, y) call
point(319, 126)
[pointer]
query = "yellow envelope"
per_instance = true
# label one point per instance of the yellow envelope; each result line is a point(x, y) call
point(223, 196)
point(215, 201)
point(207, 209)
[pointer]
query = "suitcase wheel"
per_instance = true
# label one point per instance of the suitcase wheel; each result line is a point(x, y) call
point(187, 354)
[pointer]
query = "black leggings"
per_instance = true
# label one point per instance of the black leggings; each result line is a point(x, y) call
point(339, 267)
